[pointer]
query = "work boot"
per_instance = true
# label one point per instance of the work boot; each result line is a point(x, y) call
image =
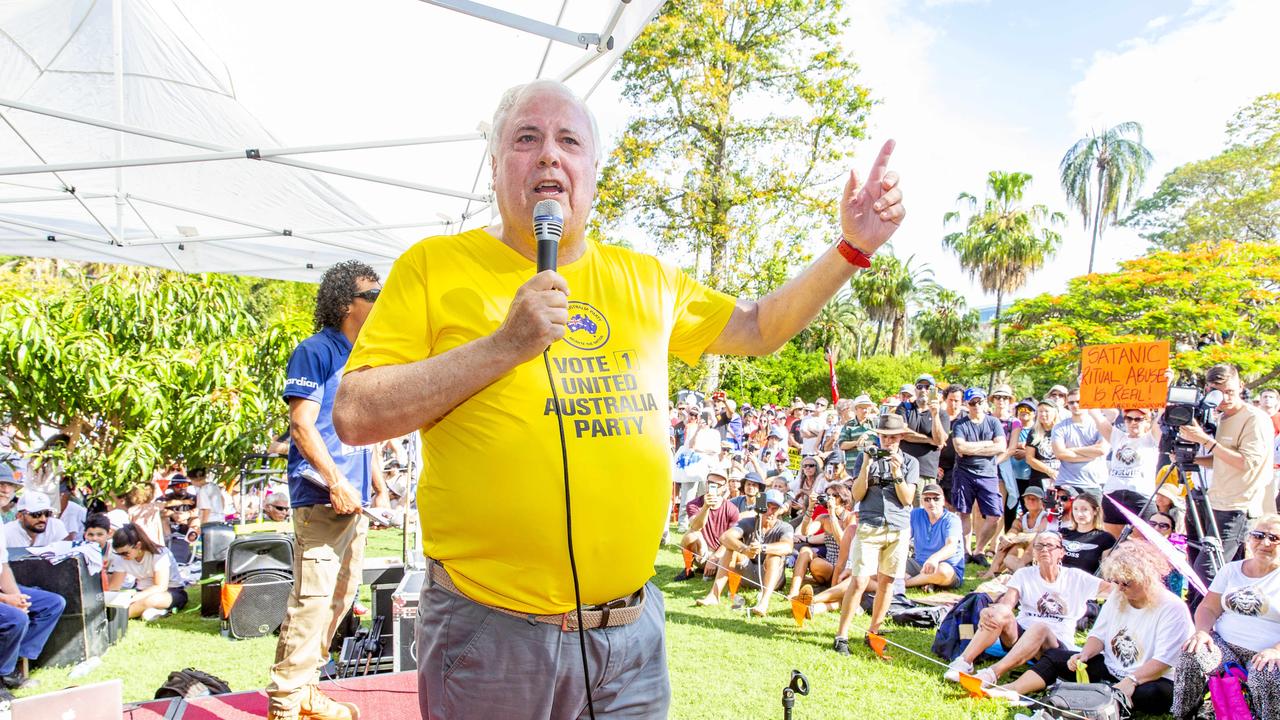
point(315, 705)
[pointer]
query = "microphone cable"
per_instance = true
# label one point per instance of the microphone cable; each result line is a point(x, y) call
point(568, 527)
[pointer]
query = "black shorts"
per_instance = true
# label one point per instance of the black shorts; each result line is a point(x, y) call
point(1132, 501)
point(177, 598)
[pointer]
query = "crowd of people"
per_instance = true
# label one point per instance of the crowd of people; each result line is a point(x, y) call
point(938, 483)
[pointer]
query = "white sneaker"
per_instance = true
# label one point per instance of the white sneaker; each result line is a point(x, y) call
point(957, 666)
point(987, 676)
point(152, 614)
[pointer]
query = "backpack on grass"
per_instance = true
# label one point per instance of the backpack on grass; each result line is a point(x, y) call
point(959, 625)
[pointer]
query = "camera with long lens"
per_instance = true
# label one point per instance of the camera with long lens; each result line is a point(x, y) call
point(1187, 404)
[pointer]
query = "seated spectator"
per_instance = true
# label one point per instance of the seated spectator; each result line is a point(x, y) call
point(1169, 501)
point(1013, 549)
point(752, 487)
point(211, 502)
point(179, 511)
point(1238, 621)
point(1164, 524)
point(819, 540)
point(1083, 537)
point(277, 507)
point(35, 525)
point(70, 512)
point(937, 559)
point(158, 582)
point(809, 479)
point(833, 469)
point(1133, 645)
point(709, 517)
point(27, 618)
point(885, 489)
point(755, 549)
point(9, 487)
point(97, 529)
point(142, 509)
point(1050, 599)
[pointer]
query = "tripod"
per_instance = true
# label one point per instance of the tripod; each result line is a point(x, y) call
point(1208, 540)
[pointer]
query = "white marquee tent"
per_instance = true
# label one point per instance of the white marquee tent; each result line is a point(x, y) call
point(122, 138)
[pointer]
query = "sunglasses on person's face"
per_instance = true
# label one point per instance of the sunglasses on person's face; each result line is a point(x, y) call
point(1134, 418)
point(932, 498)
point(281, 508)
point(1269, 537)
point(1160, 525)
point(1073, 402)
point(40, 514)
point(369, 295)
point(809, 465)
point(976, 403)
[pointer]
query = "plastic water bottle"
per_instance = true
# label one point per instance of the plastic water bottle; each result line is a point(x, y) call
point(84, 668)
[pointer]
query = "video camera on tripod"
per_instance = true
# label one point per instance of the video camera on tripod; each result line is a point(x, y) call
point(1186, 404)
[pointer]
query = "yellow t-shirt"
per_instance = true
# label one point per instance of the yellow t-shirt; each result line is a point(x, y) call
point(491, 497)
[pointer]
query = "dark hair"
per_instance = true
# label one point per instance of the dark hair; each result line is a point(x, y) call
point(953, 388)
point(337, 290)
point(839, 490)
point(1220, 374)
point(99, 521)
point(129, 535)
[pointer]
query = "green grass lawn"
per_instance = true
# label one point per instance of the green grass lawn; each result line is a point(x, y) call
point(722, 665)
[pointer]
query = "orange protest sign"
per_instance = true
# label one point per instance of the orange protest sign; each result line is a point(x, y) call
point(972, 685)
point(1127, 375)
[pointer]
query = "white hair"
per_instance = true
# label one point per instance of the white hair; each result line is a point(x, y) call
point(513, 96)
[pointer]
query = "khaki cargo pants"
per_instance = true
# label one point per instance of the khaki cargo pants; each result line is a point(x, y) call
point(328, 552)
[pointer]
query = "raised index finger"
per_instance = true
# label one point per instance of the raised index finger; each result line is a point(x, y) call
point(881, 164)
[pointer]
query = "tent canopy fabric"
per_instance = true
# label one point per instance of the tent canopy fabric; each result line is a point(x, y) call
point(122, 139)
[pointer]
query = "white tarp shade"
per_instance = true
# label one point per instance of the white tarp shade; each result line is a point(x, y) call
point(204, 206)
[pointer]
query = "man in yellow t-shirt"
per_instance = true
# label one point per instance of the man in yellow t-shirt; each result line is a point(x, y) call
point(452, 349)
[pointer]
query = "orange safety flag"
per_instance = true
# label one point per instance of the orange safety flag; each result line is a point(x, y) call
point(688, 560)
point(877, 644)
point(798, 611)
point(230, 593)
point(734, 580)
point(972, 685)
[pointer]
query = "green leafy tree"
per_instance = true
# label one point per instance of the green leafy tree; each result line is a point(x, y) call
point(140, 366)
point(1234, 195)
point(1215, 302)
point(945, 322)
point(1102, 174)
point(745, 113)
point(838, 327)
point(884, 291)
point(1003, 242)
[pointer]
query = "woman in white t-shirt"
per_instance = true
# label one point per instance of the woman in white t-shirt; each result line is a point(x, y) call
point(158, 582)
point(1239, 621)
point(1131, 467)
point(1135, 642)
point(1050, 599)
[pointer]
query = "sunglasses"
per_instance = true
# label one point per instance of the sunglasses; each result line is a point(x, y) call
point(40, 514)
point(1269, 537)
point(370, 295)
point(1046, 546)
point(285, 508)
point(932, 498)
point(809, 465)
point(1073, 402)
point(975, 403)
point(1134, 418)
point(1161, 525)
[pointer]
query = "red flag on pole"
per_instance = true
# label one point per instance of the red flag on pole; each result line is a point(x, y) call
point(831, 367)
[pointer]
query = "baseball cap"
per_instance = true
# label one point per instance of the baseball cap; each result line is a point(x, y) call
point(1003, 391)
point(6, 474)
point(932, 489)
point(834, 457)
point(736, 473)
point(778, 433)
point(1034, 491)
point(1069, 490)
point(810, 406)
point(926, 378)
point(1028, 403)
point(863, 399)
point(773, 497)
point(1057, 389)
point(907, 389)
point(179, 478)
point(974, 393)
point(33, 502)
point(718, 469)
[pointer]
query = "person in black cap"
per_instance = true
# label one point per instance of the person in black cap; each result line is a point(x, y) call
point(927, 425)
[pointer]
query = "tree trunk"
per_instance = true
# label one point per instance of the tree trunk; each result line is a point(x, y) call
point(895, 337)
point(1097, 222)
point(996, 335)
point(875, 344)
point(712, 382)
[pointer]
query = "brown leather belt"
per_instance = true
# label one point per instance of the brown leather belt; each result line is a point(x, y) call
point(614, 613)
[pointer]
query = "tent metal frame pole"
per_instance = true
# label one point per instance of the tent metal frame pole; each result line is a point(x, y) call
point(609, 27)
point(57, 198)
point(53, 230)
point(520, 22)
point(317, 167)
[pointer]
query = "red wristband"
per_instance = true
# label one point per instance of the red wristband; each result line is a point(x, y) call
point(856, 257)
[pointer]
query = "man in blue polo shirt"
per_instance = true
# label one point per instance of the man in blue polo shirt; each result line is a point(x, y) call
point(937, 557)
point(978, 439)
point(328, 484)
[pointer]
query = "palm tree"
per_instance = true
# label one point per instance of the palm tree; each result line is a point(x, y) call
point(1003, 243)
point(1102, 174)
point(945, 322)
point(838, 327)
point(885, 289)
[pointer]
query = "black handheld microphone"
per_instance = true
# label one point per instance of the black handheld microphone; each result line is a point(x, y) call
point(548, 226)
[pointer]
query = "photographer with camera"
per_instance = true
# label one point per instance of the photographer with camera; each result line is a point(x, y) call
point(756, 549)
point(709, 517)
point(885, 487)
point(1240, 453)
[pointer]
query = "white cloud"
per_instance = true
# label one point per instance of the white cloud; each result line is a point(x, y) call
point(1157, 22)
point(1182, 86)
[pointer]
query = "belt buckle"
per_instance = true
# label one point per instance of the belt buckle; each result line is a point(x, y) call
point(564, 621)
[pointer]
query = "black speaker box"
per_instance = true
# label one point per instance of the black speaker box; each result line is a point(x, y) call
point(215, 538)
point(81, 632)
point(262, 565)
point(255, 553)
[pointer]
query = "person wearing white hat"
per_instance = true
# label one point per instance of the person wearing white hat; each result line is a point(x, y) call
point(860, 426)
point(35, 525)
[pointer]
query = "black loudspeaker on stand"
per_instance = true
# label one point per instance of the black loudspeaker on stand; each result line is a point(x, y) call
point(259, 578)
point(215, 538)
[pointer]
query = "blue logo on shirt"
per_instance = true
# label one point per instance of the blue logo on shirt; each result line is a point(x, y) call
point(588, 329)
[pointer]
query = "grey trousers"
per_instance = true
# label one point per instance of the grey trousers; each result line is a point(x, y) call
point(475, 663)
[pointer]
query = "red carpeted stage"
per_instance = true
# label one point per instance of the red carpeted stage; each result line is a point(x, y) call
point(393, 695)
